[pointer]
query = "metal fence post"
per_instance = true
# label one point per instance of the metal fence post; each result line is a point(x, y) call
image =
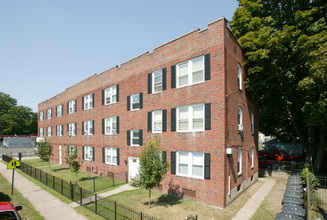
point(62, 186)
point(41, 176)
point(308, 197)
point(46, 179)
point(94, 184)
point(80, 196)
point(71, 191)
point(141, 215)
point(113, 179)
point(35, 173)
point(96, 203)
point(53, 182)
point(115, 210)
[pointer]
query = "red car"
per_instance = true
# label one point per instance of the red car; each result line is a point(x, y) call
point(9, 212)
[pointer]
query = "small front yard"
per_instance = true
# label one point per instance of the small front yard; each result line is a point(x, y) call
point(168, 207)
point(86, 180)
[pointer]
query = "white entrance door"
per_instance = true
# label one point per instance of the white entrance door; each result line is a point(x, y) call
point(60, 157)
point(133, 167)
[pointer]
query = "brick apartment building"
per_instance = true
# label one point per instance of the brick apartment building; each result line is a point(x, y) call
point(189, 93)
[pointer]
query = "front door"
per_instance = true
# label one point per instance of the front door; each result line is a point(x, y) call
point(60, 157)
point(133, 167)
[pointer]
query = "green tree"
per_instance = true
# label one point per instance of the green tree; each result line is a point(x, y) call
point(15, 119)
point(152, 166)
point(73, 161)
point(284, 44)
point(44, 151)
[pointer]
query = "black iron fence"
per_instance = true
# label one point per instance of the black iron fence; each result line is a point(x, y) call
point(317, 193)
point(104, 207)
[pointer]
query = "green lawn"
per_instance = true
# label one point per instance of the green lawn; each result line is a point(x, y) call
point(85, 180)
point(28, 211)
point(169, 207)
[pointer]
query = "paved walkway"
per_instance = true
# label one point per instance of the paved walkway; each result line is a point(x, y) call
point(50, 207)
point(120, 189)
point(253, 203)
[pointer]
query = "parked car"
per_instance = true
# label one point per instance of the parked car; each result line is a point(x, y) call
point(264, 163)
point(279, 155)
point(9, 212)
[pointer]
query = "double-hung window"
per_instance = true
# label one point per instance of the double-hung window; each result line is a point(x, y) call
point(239, 162)
point(41, 132)
point(49, 131)
point(88, 127)
point(59, 110)
point(72, 107)
point(252, 123)
point(72, 150)
point(110, 125)
point(49, 113)
point(157, 81)
point(71, 129)
point(239, 77)
point(88, 101)
point(41, 116)
point(135, 137)
point(88, 153)
point(157, 121)
point(111, 155)
point(252, 157)
point(59, 130)
point(240, 119)
point(190, 164)
point(135, 101)
point(190, 72)
point(110, 95)
point(190, 118)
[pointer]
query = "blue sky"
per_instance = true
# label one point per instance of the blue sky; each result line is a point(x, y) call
point(47, 46)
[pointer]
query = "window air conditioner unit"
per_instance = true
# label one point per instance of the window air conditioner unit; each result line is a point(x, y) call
point(240, 127)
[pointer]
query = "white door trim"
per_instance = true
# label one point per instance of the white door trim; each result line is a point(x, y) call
point(132, 170)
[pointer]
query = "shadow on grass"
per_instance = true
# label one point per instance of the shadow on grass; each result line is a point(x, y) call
point(4, 197)
point(165, 200)
point(86, 178)
point(59, 169)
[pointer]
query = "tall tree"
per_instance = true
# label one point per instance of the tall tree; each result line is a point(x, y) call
point(284, 43)
point(152, 166)
point(15, 119)
point(73, 161)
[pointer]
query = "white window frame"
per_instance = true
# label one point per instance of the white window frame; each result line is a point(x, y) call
point(190, 119)
point(109, 123)
point(59, 130)
point(41, 132)
point(59, 110)
point(49, 131)
point(239, 161)
point(252, 157)
point(154, 121)
point(190, 163)
point(239, 77)
point(41, 116)
point(49, 113)
point(71, 129)
point(240, 116)
point(72, 149)
point(154, 74)
point(110, 93)
point(88, 127)
point(88, 153)
point(71, 106)
point(132, 137)
point(88, 100)
point(132, 102)
point(252, 123)
point(189, 74)
point(110, 155)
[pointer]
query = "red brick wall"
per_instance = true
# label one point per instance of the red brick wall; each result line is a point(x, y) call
point(132, 78)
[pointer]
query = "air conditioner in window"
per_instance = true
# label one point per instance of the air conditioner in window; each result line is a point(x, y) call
point(240, 128)
point(85, 133)
point(70, 134)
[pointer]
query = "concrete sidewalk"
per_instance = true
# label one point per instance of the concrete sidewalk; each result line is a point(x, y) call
point(254, 202)
point(49, 206)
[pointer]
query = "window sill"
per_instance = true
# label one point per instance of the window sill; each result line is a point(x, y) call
point(111, 164)
point(194, 84)
point(107, 104)
point(190, 177)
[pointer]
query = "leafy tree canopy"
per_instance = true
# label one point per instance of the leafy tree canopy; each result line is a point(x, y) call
point(15, 119)
point(284, 44)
